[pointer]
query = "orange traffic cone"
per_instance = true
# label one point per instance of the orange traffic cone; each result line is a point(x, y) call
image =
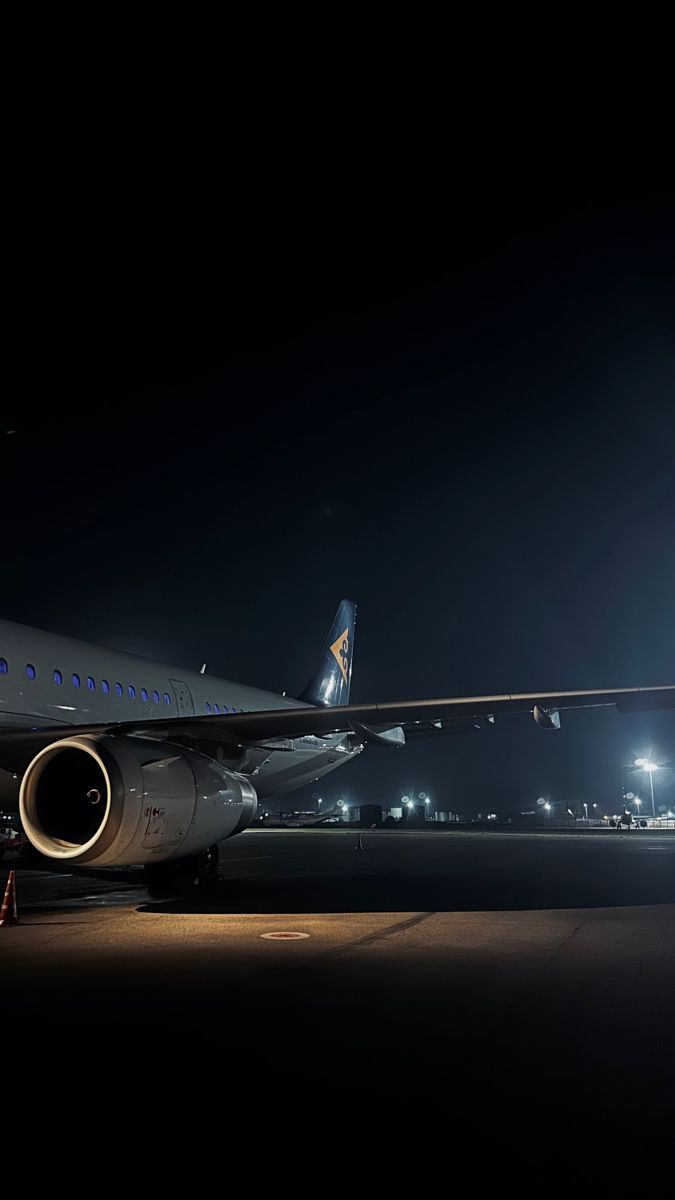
point(8, 913)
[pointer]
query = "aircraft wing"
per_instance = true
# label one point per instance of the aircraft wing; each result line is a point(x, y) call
point(18, 744)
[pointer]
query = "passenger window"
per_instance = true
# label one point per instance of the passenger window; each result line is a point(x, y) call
point(155, 696)
point(105, 686)
point(167, 698)
point(30, 670)
point(216, 709)
point(58, 677)
point(144, 694)
point(119, 690)
point(3, 666)
point(207, 706)
point(90, 684)
point(76, 681)
point(132, 692)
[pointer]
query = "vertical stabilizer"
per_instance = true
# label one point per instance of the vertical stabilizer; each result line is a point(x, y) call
point(332, 675)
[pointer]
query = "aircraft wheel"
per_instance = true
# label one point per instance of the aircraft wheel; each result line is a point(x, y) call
point(169, 879)
point(163, 879)
point(208, 862)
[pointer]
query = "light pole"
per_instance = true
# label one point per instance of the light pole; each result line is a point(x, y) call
point(427, 810)
point(586, 808)
point(650, 767)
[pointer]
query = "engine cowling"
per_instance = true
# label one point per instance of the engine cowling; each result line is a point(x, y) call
point(108, 801)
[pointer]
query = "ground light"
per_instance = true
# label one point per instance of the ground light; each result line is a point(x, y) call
point(650, 767)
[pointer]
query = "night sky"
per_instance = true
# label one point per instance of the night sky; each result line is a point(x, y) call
point(405, 337)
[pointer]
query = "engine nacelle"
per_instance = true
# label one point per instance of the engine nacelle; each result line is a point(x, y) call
point(108, 801)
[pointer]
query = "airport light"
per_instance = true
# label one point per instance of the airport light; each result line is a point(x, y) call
point(650, 767)
point(547, 809)
point(586, 808)
point(411, 804)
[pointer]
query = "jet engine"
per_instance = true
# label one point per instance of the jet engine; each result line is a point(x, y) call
point(114, 801)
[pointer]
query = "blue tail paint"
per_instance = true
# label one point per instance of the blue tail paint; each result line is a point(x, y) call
point(332, 675)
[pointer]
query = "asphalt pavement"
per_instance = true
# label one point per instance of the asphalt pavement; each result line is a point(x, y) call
point(457, 983)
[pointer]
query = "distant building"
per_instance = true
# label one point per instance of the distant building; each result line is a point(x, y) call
point(370, 814)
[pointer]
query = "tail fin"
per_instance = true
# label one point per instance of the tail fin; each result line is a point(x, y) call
point(332, 674)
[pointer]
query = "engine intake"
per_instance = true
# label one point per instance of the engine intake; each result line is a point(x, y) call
point(109, 801)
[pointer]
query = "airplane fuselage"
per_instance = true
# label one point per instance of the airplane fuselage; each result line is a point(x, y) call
point(46, 678)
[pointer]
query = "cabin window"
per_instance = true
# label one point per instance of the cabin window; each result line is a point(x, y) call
point(76, 680)
point(167, 698)
point(3, 666)
point(132, 692)
point(216, 708)
point(105, 686)
point(207, 706)
point(155, 696)
point(90, 683)
point(30, 670)
point(57, 677)
point(119, 690)
point(144, 694)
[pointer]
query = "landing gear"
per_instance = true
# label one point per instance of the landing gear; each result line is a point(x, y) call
point(171, 878)
point(208, 862)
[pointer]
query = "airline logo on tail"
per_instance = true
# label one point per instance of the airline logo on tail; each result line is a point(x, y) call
point(340, 652)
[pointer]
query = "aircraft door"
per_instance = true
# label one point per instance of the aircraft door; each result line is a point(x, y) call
point(184, 701)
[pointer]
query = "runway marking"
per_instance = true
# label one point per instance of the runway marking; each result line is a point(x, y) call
point(284, 936)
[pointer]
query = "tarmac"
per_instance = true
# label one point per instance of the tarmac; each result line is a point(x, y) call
point(466, 983)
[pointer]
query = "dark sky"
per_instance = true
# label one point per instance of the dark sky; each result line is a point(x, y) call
point(399, 335)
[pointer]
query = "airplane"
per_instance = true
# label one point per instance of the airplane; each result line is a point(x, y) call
point(116, 760)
